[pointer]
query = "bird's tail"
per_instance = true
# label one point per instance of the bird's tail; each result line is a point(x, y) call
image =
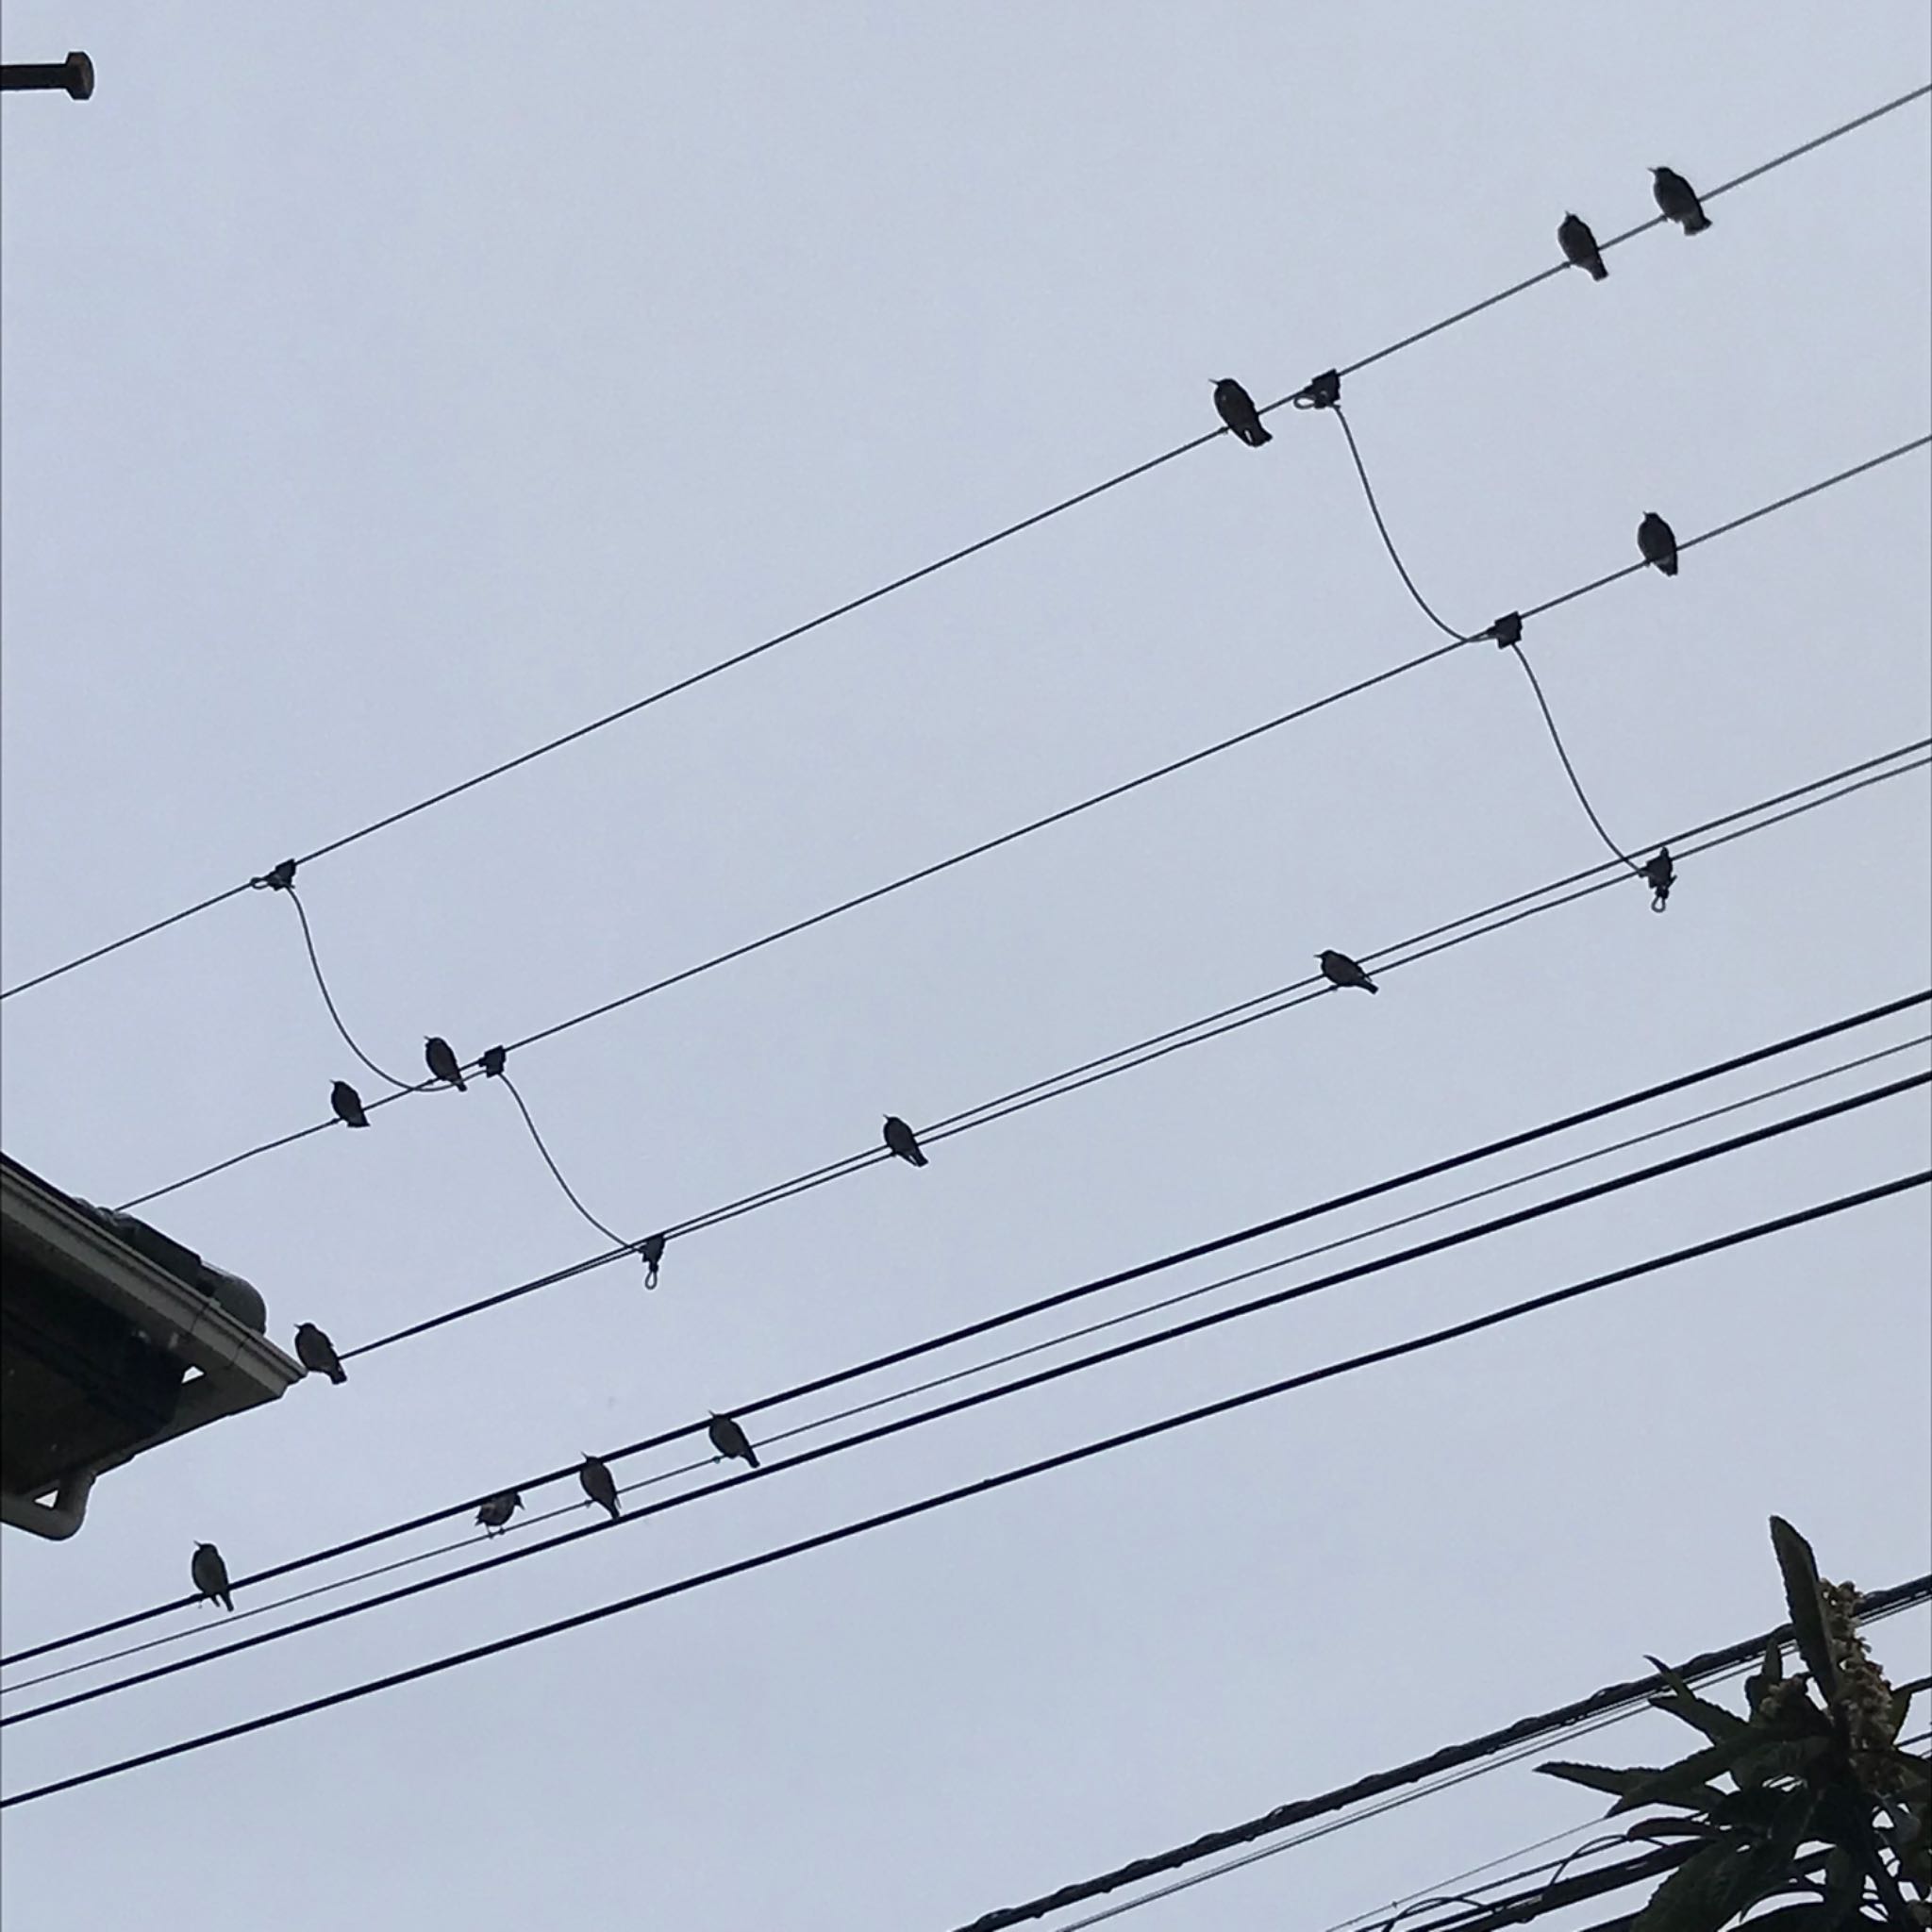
point(916, 1158)
point(460, 1084)
point(615, 1511)
point(339, 1375)
point(1370, 986)
point(751, 1455)
point(1259, 434)
point(1668, 565)
point(1598, 273)
point(227, 1602)
point(1696, 222)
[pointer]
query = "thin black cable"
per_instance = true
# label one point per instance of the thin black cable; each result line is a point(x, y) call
point(927, 569)
point(570, 1193)
point(1408, 584)
point(1570, 770)
point(1129, 1059)
point(1037, 1379)
point(768, 1441)
point(1435, 328)
point(1066, 812)
point(1519, 1738)
point(986, 1325)
point(328, 998)
point(1005, 1478)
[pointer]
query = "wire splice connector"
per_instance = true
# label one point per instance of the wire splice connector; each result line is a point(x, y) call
point(1661, 874)
point(1323, 392)
point(651, 1253)
point(492, 1061)
point(1506, 630)
point(277, 878)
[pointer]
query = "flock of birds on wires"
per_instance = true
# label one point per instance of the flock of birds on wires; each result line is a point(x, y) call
point(1657, 544)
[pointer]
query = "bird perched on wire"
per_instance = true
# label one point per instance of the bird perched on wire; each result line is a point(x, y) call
point(493, 1512)
point(211, 1576)
point(441, 1057)
point(348, 1105)
point(599, 1485)
point(1238, 413)
point(1576, 241)
point(1678, 200)
point(728, 1439)
point(317, 1353)
point(1659, 543)
point(1342, 971)
point(1661, 874)
point(903, 1140)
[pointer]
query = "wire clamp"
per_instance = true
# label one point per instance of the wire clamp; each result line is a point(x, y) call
point(1661, 874)
point(651, 1253)
point(492, 1063)
point(1323, 392)
point(1507, 632)
point(278, 879)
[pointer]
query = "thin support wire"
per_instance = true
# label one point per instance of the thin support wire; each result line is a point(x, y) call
point(1569, 768)
point(570, 1193)
point(1422, 603)
point(328, 999)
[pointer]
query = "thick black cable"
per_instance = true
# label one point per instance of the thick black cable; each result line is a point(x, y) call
point(1570, 770)
point(1023, 831)
point(1129, 1059)
point(1628, 1696)
point(905, 1392)
point(1037, 1379)
point(871, 596)
point(570, 1193)
point(986, 1325)
point(328, 998)
point(987, 1485)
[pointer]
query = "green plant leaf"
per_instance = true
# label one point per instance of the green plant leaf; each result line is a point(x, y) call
point(1670, 1827)
point(1800, 1567)
point(1686, 1782)
point(1705, 1893)
point(1602, 1778)
point(1902, 1702)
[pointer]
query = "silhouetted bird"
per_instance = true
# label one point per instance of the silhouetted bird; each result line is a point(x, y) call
point(727, 1438)
point(494, 1057)
point(599, 1484)
point(1342, 971)
point(316, 1352)
point(1661, 874)
point(211, 1576)
point(1678, 200)
point(1238, 413)
point(651, 1253)
point(1659, 543)
point(494, 1512)
point(903, 1140)
point(1579, 244)
point(442, 1059)
point(347, 1103)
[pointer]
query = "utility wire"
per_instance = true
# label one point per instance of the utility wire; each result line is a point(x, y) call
point(1039, 1379)
point(1128, 1059)
point(986, 1325)
point(1619, 1699)
point(1016, 833)
point(768, 1441)
point(1005, 1478)
point(570, 1193)
point(900, 583)
point(1511, 638)
point(328, 999)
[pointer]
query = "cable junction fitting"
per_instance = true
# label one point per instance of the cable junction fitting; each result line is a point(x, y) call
point(1323, 392)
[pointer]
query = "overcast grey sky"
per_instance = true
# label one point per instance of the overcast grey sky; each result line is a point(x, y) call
point(390, 389)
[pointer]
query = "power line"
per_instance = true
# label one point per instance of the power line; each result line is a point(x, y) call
point(1615, 1699)
point(770, 1439)
point(854, 903)
point(927, 569)
point(1039, 1379)
point(986, 1325)
point(1005, 1478)
point(1145, 1052)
